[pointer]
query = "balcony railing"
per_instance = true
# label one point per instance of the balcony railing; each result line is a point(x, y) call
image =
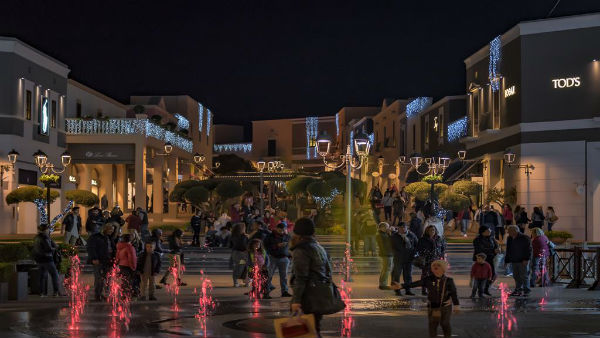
point(125, 126)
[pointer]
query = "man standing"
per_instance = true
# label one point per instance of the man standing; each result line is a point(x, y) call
point(100, 250)
point(386, 255)
point(94, 221)
point(43, 253)
point(72, 227)
point(404, 244)
point(276, 244)
point(518, 253)
point(196, 223)
point(489, 219)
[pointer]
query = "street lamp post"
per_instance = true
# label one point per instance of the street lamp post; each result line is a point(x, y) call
point(509, 159)
point(362, 146)
point(41, 161)
point(270, 166)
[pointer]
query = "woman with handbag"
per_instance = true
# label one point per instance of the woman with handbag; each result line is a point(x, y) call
point(430, 247)
point(314, 291)
point(441, 296)
point(551, 217)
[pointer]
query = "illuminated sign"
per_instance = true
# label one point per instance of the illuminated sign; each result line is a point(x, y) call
point(510, 91)
point(94, 183)
point(567, 82)
point(44, 117)
point(72, 179)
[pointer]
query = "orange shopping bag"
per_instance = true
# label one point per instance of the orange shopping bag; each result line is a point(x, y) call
point(298, 326)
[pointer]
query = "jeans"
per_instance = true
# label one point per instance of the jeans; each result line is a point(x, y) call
point(464, 225)
point(45, 269)
point(443, 321)
point(99, 280)
point(196, 236)
point(386, 269)
point(280, 264)
point(144, 232)
point(478, 286)
point(369, 244)
point(539, 270)
point(126, 275)
point(550, 226)
point(521, 276)
point(239, 259)
point(404, 268)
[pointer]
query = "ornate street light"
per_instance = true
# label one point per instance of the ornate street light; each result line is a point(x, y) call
point(509, 159)
point(12, 159)
point(46, 167)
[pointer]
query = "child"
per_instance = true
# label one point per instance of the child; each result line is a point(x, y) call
point(481, 273)
point(127, 261)
point(148, 267)
point(258, 263)
point(441, 294)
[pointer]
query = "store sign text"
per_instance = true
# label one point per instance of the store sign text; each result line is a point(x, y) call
point(510, 91)
point(94, 182)
point(72, 179)
point(566, 82)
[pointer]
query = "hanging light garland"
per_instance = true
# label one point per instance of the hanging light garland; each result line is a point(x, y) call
point(200, 116)
point(312, 128)
point(337, 124)
point(208, 121)
point(233, 147)
point(182, 122)
point(417, 105)
point(457, 129)
point(493, 68)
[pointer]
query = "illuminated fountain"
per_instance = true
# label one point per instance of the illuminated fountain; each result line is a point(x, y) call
point(120, 301)
point(206, 304)
point(77, 292)
point(506, 321)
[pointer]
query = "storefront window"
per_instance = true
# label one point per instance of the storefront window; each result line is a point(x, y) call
point(95, 182)
point(130, 169)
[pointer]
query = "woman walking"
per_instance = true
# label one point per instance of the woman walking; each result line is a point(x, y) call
point(537, 218)
point(551, 217)
point(521, 218)
point(239, 253)
point(176, 253)
point(541, 251)
point(486, 244)
point(430, 247)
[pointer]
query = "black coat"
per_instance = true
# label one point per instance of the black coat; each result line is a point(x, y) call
point(99, 247)
point(416, 227)
point(43, 248)
point(155, 265)
point(310, 264)
point(94, 223)
point(486, 245)
point(518, 249)
point(272, 242)
point(68, 222)
point(435, 287)
point(384, 244)
point(158, 248)
point(239, 243)
point(431, 248)
point(196, 222)
point(489, 218)
point(404, 250)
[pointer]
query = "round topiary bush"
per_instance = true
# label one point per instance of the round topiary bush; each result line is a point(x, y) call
point(30, 193)
point(197, 195)
point(229, 189)
point(82, 197)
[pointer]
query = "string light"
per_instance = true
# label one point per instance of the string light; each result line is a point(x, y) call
point(208, 121)
point(61, 215)
point(127, 127)
point(457, 129)
point(417, 105)
point(495, 56)
point(182, 122)
point(372, 139)
point(234, 147)
point(337, 124)
point(325, 201)
point(352, 142)
point(41, 205)
point(312, 128)
point(200, 116)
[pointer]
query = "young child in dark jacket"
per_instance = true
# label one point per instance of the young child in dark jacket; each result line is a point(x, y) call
point(481, 274)
point(148, 267)
point(441, 295)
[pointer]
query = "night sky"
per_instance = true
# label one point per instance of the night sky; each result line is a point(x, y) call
point(250, 60)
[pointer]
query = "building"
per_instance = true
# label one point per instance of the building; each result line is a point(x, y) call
point(32, 100)
point(536, 91)
point(229, 139)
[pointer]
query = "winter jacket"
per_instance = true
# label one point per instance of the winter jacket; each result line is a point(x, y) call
point(518, 249)
point(155, 265)
point(387, 201)
point(431, 248)
point(435, 289)
point(94, 223)
point(310, 265)
point(68, 223)
point(158, 248)
point(134, 222)
point(405, 247)
point(100, 247)
point(239, 243)
point(384, 244)
point(260, 234)
point(489, 218)
point(272, 242)
point(486, 245)
point(522, 218)
point(175, 244)
point(540, 246)
point(126, 255)
point(398, 206)
point(43, 248)
point(416, 227)
point(196, 222)
point(537, 220)
point(466, 214)
point(508, 215)
point(481, 271)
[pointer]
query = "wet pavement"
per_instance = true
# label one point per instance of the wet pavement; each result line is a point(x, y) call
point(553, 312)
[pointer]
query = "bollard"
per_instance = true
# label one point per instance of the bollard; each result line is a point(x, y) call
point(596, 285)
point(576, 282)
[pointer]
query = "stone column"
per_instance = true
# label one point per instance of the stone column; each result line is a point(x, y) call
point(172, 165)
point(157, 188)
point(140, 175)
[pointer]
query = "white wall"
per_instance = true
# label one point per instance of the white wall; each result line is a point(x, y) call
point(91, 102)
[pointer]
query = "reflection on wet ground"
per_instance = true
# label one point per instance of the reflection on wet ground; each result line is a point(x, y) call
point(372, 317)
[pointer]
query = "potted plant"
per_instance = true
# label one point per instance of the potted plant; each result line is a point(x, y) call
point(170, 126)
point(48, 179)
point(156, 119)
point(558, 237)
point(88, 118)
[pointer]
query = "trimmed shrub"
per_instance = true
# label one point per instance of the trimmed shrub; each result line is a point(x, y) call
point(299, 184)
point(12, 252)
point(467, 188)
point(82, 197)
point(197, 195)
point(30, 193)
point(229, 189)
point(559, 234)
point(421, 190)
point(453, 201)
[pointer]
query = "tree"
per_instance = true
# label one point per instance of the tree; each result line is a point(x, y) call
point(421, 190)
point(231, 164)
point(196, 196)
point(177, 195)
point(82, 197)
point(467, 188)
point(359, 188)
point(299, 184)
point(453, 201)
point(320, 189)
point(229, 189)
point(500, 197)
point(30, 193)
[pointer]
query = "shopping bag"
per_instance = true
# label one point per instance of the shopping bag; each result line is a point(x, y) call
point(298, 326)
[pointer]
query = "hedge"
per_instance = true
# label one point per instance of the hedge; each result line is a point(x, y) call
point(12, 252)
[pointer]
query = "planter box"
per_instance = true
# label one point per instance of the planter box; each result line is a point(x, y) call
point(558, 240)
point(3, 292)
point(17, 286)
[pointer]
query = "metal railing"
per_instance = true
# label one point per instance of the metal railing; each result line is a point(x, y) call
point(126, 126)
point(576, 267)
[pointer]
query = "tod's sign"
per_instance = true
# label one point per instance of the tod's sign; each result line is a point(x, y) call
point(566, 82)
point(102, 153)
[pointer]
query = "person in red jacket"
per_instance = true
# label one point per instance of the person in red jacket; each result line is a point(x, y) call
point(127, 261)
point(481, 273)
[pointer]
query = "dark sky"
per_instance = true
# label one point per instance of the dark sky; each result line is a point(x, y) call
point(256, 59)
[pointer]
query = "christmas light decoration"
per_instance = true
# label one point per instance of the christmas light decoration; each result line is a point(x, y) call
point(352, 142)
point(233, 147)
point(372, 139)
point(61, 215)
point(325, 201)
point(127, 126)
point(208, 121)
point(200, 116)
point(182, 122)
point(457, 129)
point(417, 105)
point(312, 129)
point(494, 65)
point(41, 205)
point(337, 124)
